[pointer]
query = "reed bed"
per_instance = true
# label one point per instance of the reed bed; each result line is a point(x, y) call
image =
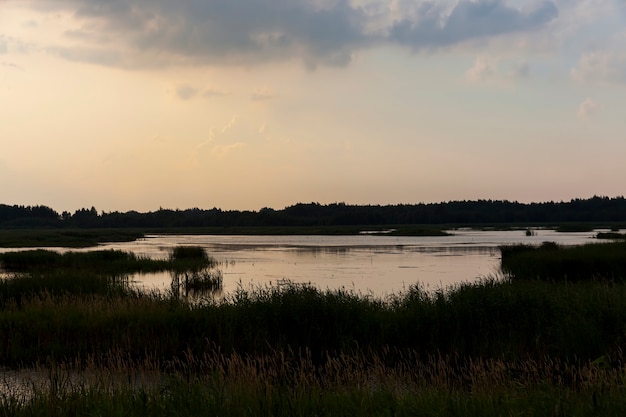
point(290, 383)
point(105, 272)
point(104, 262)
point(491, 318)
point(550, 262)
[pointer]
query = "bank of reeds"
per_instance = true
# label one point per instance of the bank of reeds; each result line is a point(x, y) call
point(288, 383)
point(551, 262)
point(611, 235)
point(104, 262)
point(496, 319)
point(36, 273)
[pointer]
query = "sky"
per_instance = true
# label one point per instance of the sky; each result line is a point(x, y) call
point(244, 104)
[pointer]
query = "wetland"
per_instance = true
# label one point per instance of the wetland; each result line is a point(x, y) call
point(75, 339)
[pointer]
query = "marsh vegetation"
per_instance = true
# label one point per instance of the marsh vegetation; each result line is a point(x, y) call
point(535, 343)
point(68, 238)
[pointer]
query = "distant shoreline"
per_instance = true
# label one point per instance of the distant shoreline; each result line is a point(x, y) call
point(89, 237)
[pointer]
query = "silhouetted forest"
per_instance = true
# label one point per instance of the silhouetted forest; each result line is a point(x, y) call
point(595, 209)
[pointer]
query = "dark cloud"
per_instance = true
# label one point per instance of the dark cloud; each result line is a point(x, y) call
point(317, 32)
point(227, 31)
point(469, 20)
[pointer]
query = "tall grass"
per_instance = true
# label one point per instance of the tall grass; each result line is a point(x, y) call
point(289, 383)
point(550, 262)
point(510, 320)
point(104, 262)
point(40, 272)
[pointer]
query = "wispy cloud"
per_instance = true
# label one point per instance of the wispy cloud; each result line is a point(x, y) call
point(186, 92)
point(229, 125)
point(11, 65)
point(607, 66)
point(486, 69)
point(3, 45)
point(262, 94)
point(189, 92)
point(221, 151)
point(214, 92)
point(587, 108)
point(480, 71)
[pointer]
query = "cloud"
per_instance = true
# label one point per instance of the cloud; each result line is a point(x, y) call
point(229, 125)
point(214, 92)
point(224, 31)
point(521, 70)
point(88, 36)
point(467, 21)
point(15, 45)
point(189, 92)
point(481, 70)
point(262, 94)
point(607, 66)
point(487, 69)
point(30, 24)
point(587, 108)
point(186, 92)
point(139, 33)
point(11, 66)
point(221, 151)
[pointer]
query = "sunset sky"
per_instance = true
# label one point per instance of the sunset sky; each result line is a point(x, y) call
point(243, 104)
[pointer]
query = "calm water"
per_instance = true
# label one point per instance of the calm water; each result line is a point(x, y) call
point(377, 265)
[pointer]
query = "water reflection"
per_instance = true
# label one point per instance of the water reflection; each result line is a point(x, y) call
point(378, 264)
point(197, 285)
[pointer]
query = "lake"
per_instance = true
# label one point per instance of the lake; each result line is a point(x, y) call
point(369, 264)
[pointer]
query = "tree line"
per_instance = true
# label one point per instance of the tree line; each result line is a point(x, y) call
point(595, 209)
